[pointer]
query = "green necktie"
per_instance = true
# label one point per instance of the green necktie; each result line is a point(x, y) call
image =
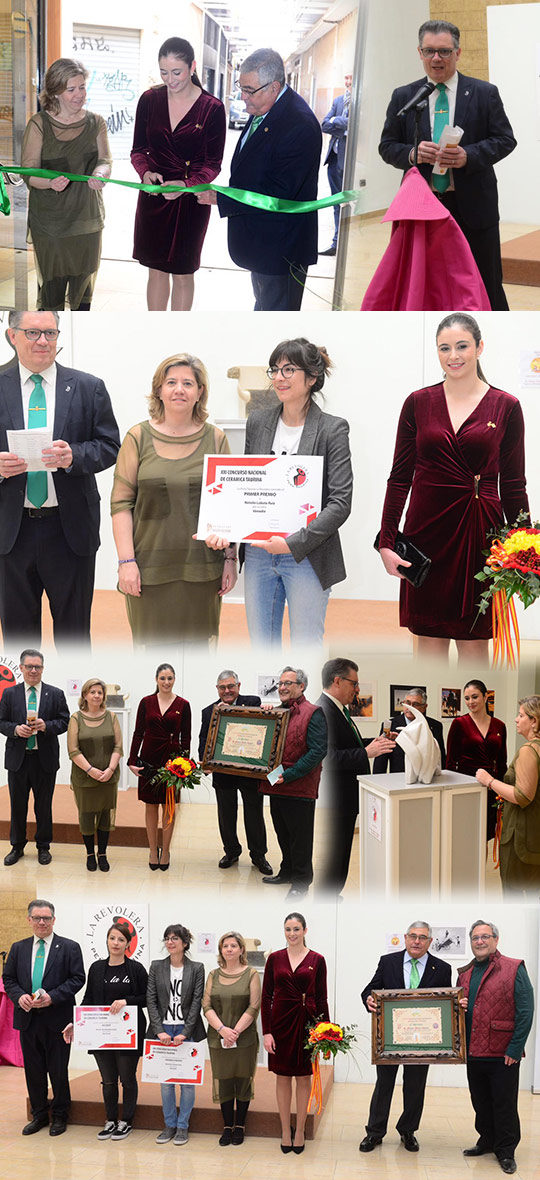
point(353, 726)
point(253, 126)
point(442, 117)
point(36, 481)
point(39, 963)
point(32, 707)
point(415, 974)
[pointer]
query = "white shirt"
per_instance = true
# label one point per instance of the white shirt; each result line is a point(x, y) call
point(174, 1011)
point(334, 700)
point(48, 377)
point(287, 438)
point(46, 949)
point(420, 963)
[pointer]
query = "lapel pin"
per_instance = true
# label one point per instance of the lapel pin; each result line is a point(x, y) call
point(466, 93)
point(68, 387)
point(493, 425)
point(267, 129)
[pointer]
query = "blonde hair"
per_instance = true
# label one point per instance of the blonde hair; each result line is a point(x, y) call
point(88, 684)
point(241, 944)
point(155, 404)
point(56, 80)
point(531, 706)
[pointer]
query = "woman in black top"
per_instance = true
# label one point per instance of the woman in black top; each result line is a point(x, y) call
point(117, 981)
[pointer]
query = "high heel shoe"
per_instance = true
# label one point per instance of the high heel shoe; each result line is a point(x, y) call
point(297, 1150)
point(161, 865)
point(287, 1150)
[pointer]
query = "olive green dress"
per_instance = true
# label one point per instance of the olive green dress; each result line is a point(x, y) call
point(65, 227)
point(158, 479)
point(520, 838)
point(233, 1070)
point(96, 802)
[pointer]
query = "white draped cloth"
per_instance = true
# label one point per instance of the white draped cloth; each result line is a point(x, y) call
point(422, 753)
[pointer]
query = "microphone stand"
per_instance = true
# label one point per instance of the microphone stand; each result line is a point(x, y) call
point(418, 111)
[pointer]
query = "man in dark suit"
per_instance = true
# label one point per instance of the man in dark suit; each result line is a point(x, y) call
point(335, 124)
point(32, 715)
point(278, 154)
point(469, 188)
point(412, 968)
point(347, 757)
point(49, 520)
point(42, 976)
point(227, 786)
point(395, 760)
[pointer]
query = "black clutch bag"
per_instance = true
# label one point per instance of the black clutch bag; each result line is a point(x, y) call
point(418, 570)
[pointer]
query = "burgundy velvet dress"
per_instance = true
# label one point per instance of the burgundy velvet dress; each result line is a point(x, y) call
point(169, 234)
point(462, 486)
point(289, 1000)
point(158, 737)
point(467, 751)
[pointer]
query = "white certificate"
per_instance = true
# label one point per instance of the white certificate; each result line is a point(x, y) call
point(28, 445)
point(255, 497)
point(417, 1026)
point(95, 1027)
point(173, 1063)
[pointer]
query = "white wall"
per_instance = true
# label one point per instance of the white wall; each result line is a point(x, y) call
point(516, 73)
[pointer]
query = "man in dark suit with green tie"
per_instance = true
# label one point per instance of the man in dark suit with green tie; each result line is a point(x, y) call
point(346, 758)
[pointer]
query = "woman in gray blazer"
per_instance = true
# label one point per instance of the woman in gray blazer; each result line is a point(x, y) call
point(175, 988)
point(301, 569)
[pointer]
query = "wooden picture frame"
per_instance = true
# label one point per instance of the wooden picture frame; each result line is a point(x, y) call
point(224, 751)
point(438, 1008)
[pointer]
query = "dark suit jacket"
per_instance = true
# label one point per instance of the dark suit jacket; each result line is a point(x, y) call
point(335, 123)
point(54, 712)
point(281, 159)
point(222, 780)
point(487, 138)
point(345, 759)
point(191, 993)
point(325, 435)
point(389, 974)
point(396, 760)
point(62, 979)
point(138, 982)
point(84, 418)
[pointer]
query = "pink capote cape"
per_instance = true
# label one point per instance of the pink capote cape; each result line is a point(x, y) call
point(428, 264)
point(10, 1045)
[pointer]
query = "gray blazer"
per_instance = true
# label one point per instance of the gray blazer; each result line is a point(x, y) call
point(158, 995)
point(325, 435)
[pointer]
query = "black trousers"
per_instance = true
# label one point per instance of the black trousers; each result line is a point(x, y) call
point(335, 180)
point(227, 807)
point(31, 777)
point(486, 250)
point(341, 826)
point(41, 561)
point(414, 1084)
point(113, 1064)
point(494, 1090)
point(293, 820)
point(46, 1053)
point(279, 292)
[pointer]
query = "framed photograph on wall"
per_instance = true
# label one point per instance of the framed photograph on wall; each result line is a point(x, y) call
point(397, 693)
point(364, 703)
point(450, 702)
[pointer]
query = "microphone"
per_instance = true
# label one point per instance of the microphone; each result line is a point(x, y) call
point(424, 90)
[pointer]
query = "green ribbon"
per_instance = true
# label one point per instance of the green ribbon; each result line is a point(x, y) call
point(257, 200)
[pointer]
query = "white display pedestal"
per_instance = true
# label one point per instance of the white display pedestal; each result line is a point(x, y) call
point(126, 777)
point(419, 838)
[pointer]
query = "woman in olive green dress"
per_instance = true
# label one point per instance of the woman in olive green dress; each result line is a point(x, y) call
point(520, 839)
point(65, 218)
point(231, 1003)
point(94, 745)
point(172, 584)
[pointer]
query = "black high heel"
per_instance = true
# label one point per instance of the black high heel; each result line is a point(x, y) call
point(287, 1150)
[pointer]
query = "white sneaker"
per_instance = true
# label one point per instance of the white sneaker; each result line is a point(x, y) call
point(122, 1131)
point(108, 1130)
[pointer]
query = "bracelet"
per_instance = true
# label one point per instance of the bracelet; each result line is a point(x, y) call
point(220, 1027)
point(126, 560)
point(89, 769)
point(490, 783)
point(235, 559)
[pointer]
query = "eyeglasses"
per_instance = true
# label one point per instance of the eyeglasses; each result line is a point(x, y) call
point(418, 937)
point(481, 937)
point(33, 334)
point(349, 681)
point(286, 683)
point(33, 667)
point(49, 918)
point(285, 370)
point(250, 92)
point(444, 53)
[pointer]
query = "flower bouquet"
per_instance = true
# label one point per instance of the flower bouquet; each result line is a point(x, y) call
point(512, 567)
point(328, 1039)
point(180, 771)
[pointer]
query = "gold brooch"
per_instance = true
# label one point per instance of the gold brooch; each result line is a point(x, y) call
point(493, 425)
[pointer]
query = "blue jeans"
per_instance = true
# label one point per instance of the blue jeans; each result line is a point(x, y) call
point(168, 1093)
point(270, 581)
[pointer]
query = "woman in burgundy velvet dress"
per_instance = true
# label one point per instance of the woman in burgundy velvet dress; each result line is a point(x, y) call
point(478, 741)
point(460, 453)
point(179, 139)
point(293, 993)
point(162, 730)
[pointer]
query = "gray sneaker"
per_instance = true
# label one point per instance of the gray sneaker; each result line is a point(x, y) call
point(166, 1135)
point(181, 1137)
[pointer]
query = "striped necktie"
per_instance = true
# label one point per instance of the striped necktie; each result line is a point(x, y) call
point(441, 118)
point(36, 481)
point(39, 964)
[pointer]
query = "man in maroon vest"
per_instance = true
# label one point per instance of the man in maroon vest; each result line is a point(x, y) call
point(293, 795)
point(498, 1018)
